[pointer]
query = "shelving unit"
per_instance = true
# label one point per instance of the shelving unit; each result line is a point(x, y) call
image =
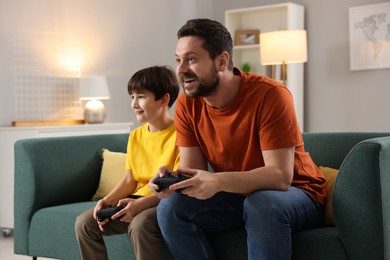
point(285, 16)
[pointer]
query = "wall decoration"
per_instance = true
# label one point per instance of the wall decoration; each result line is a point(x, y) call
point(369, 36)
point(246, 37)
point(46, 77)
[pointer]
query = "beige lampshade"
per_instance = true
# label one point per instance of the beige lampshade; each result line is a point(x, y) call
point(94, 87)
point(280, 47)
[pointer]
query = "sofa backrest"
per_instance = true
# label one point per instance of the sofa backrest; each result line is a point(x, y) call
point(43, 165)
point(330, 149)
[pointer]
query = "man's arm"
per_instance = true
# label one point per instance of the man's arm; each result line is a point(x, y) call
point(192, 157)
point(277, 174)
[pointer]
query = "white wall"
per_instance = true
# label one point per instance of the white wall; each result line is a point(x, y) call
point(336, 99)
point(121, 36)
point(116, 38)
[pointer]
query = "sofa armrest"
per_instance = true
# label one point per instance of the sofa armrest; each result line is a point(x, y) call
point(56, 171)
point(361, 200)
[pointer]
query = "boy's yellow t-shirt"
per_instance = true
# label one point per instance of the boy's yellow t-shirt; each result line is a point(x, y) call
point(148, 151)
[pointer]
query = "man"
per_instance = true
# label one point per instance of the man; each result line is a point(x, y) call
point(245, 126)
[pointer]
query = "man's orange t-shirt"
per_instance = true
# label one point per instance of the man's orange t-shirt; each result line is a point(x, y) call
point(261, 117)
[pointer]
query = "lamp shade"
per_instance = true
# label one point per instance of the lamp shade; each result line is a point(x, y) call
point(280, 47)
point(94, 87)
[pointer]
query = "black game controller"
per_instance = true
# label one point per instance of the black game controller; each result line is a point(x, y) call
point(168, 180)
point(102, 214)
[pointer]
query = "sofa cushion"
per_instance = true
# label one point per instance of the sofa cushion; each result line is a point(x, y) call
point(330, 176)
point(112, 172)
point(234, 239)
point(59, 220)
point(50, 230)
point(319, 243)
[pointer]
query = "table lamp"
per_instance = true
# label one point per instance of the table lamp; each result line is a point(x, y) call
point(94, 89)
point(283, 47)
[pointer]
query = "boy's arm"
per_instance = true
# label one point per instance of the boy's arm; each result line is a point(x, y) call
point(124, 188)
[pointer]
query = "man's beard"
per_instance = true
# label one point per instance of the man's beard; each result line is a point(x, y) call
point(206, 87)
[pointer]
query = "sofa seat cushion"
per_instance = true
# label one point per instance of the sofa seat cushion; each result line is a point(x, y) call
point(50, 229)
point(48, 226)
point(319, 243)
point(234, 240)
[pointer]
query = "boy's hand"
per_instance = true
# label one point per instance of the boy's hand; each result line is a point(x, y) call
point(129, 210)
point(100, 205)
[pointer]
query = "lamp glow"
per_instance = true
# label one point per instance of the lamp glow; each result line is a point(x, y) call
point(283, 47)
point(94, 89)
point(70, 60)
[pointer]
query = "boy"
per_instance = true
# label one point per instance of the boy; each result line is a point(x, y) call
point(153, 91)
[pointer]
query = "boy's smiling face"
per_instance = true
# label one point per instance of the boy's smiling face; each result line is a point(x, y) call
point(145, 106)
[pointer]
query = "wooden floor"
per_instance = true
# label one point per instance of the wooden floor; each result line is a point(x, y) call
point(7, 250)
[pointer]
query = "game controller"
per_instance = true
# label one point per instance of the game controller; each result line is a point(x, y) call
point(105, 213)
point(168, 180)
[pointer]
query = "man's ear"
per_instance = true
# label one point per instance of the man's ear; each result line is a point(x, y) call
point(222, 61)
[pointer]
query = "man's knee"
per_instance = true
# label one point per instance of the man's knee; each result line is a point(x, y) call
point(265, 205)
point(259, 199)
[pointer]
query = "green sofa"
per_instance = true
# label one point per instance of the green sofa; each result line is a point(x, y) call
point(55, 179)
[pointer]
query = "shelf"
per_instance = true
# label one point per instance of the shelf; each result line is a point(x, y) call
point(266, 18)
point(246, 47)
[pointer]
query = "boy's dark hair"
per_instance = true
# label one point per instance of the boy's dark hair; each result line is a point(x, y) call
point(216, 37)
point(158, 80)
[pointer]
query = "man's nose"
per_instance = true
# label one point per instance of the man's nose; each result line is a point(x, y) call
point(181, 68)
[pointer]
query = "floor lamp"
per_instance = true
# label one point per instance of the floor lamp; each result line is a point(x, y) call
point(283, 47)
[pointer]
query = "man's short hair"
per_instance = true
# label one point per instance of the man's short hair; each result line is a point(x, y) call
point(216, 38)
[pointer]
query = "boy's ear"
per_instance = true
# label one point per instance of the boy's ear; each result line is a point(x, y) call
point(166, 98)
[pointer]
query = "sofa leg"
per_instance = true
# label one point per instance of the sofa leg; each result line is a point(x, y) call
point(35, 258)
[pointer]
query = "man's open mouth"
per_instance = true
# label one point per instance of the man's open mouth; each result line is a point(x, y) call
point(189, 80)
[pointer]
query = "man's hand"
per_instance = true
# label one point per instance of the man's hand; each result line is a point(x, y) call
point(165, 193)
point(201, 184)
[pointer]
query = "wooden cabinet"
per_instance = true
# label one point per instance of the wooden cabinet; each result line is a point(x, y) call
point(8, 137)
point(285, 16)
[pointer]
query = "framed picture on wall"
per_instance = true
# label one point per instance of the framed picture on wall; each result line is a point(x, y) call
point(246, 37)
point(369, 37)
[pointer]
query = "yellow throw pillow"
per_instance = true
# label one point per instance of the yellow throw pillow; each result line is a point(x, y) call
point(113, 169)
point(330, 176)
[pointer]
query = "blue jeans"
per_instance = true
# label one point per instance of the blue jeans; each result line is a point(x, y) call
point(269, 217)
